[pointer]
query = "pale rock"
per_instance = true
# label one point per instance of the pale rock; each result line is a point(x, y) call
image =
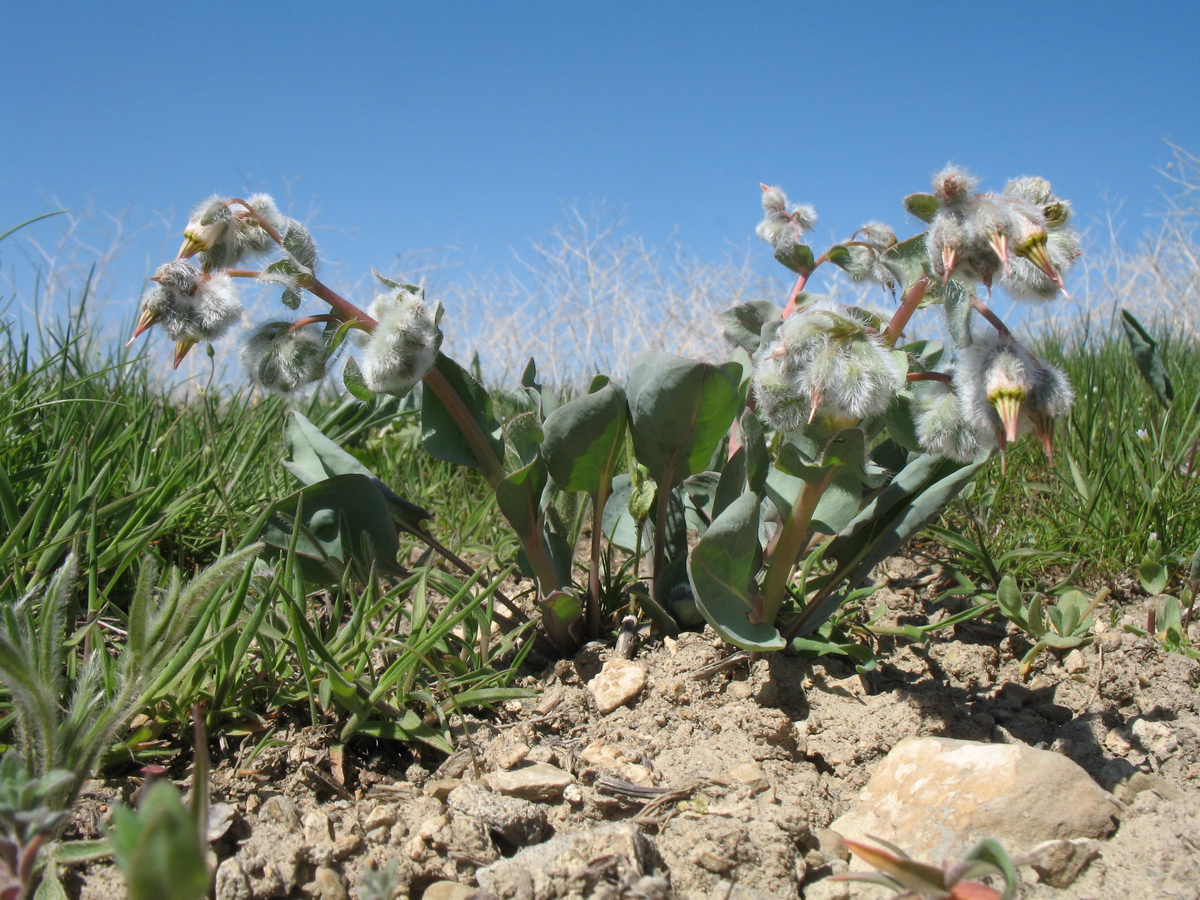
point(1058, 863)
point(231, 881)
point(326, 885)
point(540, 782)
point(517, 822)
point(1156, 738)
point(937, 797)
point(538, 872)
point(512, 756)
point(440, 788)
point(382, 816)
point(748, 774)
point(618, 682)
point(1075, 663)
point(281, 810)
point(317, 828)
point(448, 890)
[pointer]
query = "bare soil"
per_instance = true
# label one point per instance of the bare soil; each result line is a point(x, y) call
point(733, 767)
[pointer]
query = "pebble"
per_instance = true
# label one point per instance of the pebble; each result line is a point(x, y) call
point(281, 810)
point(326, 885)
point(540, 782)
point(618, 682)
point(448, 890)
point(513, 820)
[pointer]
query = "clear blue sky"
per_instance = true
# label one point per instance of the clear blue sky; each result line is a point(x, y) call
point(416, 125)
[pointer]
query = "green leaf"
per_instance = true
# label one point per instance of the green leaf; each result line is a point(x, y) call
point(680, 411)
point(907, 260)
point(315, 458)
point(1145, 354)
point(584, 438)
point(840, 256)
point(291, 299)
point(923, 206)
point(519, 497)
point(1153, 575)
point(409, 728)
point(742, 325)
point(956, 304)
point(797, 257)
point(721, 570)
point(353, 380)
point(442, 437)
point(341, 521)
point(159, 848)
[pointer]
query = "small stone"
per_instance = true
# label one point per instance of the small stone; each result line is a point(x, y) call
point(231, 881)
point(739, 690)
point(1117, 742)
point(512, 756)
point(618, 682)
point(447, 890)
point(540, 782)
point(1157, 738)
point(317, 828)
point(517, 822)
point(748, 774)
point(281, 810)
point(381, 816)
point(440, 788)
point(326, 885)
point(1075, 663)
point(1059, 863)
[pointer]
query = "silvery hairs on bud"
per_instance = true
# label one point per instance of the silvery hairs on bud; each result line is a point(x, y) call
point(252, 237)
point(190, 304)
point(281, 360)
point(404, 345)
point(942, 429)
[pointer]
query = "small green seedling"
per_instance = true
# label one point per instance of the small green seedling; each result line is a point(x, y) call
point(909, 878)
point(1064, 624)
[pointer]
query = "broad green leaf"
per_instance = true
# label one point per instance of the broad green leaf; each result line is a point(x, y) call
point(956, 304)
point(923, 206)
point(316, 458)
point(519, 497)
point(584, 438)
point(797, 257)
point(907, 260)
point(1153, 576)
point(840, 256)
point(680, 411)
point(341, 521)
point(159, 848)
point(1145, 354)
point(722, 568)
point(742, 325)
point(440, 433)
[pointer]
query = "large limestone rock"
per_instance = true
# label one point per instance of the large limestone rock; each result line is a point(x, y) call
point(936, 797)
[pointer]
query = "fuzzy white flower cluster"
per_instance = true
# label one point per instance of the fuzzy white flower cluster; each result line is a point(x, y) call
point(190, 305)
point(1000, 391)
point(826, 357)
point(405, 343)
point(282, 358)
point(1020, 238)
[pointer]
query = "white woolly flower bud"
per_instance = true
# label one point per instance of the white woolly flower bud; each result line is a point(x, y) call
point(1004, 388)
point(942, 429)
point(209, 231)
point(190, 305)
point(252, 237)
point(779, 226)
point(831, 358)
point(1036, 274)
point(280, 359)
point(867, 250)
point(404, 345)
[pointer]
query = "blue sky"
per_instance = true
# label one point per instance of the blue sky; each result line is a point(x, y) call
point(403, 126)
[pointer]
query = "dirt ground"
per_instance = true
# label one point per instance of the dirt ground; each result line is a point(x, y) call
point(724, 771)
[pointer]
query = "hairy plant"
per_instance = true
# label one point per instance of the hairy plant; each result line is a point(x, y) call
point(856, 421)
